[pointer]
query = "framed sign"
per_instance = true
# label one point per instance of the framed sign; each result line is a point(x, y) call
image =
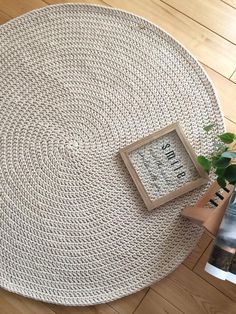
point(163, 166)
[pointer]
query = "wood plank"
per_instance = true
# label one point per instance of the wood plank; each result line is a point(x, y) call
point(230, 126)
point(205, 47)
point(208, 47)
point(225, 287)
point(128, 304)
point(4, 17)
point(233, 77)
point(101, 2)
point(232, 3)
point(153, 303)
point(195, 255)
point(98, 309)
point(226, 91)
point(14, 8)
point(190, 293)
point(11, 303)
point(215, 15)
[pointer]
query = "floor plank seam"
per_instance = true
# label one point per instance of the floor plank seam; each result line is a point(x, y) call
point(230, 5)
point(108, 4)
point(113, 308)
point(186, 265)
point(167, 300)
point(208, 282)
point(48, 3)
point(195, 264)
point(49, 308)
point(232, 75)
point(227, 296)
point(234, 122)
point(198, 23)
point(141, 299)
point(206, 65)
point(7, 15)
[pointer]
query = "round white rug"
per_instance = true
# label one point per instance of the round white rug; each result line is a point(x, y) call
point(78, 83)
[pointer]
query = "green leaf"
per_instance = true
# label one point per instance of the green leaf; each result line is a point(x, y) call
point(209, 127)
point(220, 172)
point(221, 181)
point(222, 162)
point(204, 162)
point(229, 154)
point(227, 138)
point(214, 159)
point(230, 173)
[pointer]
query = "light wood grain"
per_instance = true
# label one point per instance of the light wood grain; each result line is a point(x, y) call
point(14, 8)
point(183, 291)
point(4, 17)
point(232, 3)
point(101, 2)
point(226, 287)
point(195, 255)
point(155, 304)
point(11, 303)
point(233, 77)
point(128, 304)
point(230, 126)
point(190, 293)
point(97, 309)
point(226, 91)
point(206, 46)
point(215, 15)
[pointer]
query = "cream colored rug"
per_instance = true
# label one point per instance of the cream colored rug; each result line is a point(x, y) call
point(77, 83)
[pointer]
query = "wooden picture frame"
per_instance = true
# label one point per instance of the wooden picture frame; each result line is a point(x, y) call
point(200, 174)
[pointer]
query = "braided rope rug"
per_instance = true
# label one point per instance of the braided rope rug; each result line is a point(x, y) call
point(78, 82)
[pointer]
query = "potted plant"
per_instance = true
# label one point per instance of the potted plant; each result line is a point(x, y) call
point(222, 162)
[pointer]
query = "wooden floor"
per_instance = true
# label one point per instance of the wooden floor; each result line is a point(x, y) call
point(208, 29)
